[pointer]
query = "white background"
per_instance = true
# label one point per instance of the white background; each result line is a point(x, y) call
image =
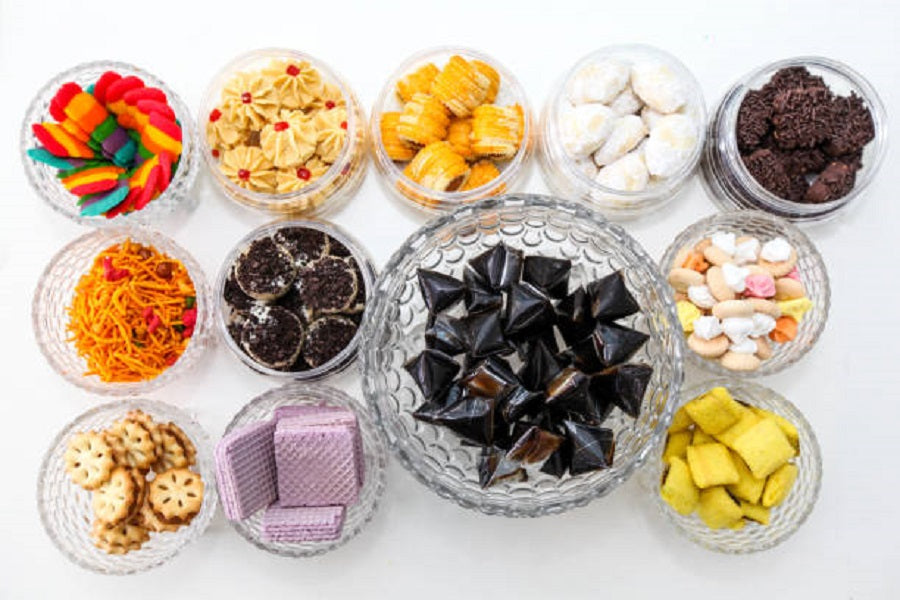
point(419, 545)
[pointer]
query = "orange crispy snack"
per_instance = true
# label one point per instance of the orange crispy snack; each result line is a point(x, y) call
point(491, 73)
point(419, 81)
point(438, 167)
point(459, 136)
point(396, 148)
point(423, 120)
point(460, 86)
point(785, 329)
point(484, 171)
point(497, 130)
point(696, 262)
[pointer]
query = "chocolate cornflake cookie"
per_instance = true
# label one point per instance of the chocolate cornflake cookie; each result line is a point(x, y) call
point(834, 182)
point(852, 128)
point(265, 271)
point(325, 339)
point(753, 119)
point(769, 170)
point(303, 243)
point(802, 117)
point(328, 285)
point(273, 337)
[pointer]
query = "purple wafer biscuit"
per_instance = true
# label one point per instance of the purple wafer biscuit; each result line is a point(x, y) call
point(245, 469)
point(299, 410)
point(316, 465)
point(296, 418)
point(302, 524)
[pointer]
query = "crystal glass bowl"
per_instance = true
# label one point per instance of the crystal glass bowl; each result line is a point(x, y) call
point(731, 185)
point(65, 508)
point(345, 357)
point(567, 179)
point(328, 192)
point(787, 517)
point(395, 323)
point(401, 186)
point(53, 295)
point(357, 516)
point(43, 177)
point(810, 266)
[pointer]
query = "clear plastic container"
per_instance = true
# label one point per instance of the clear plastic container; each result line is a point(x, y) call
point(401, 186)
point(335, 186)
point(65, 508)
point(786, 518)
point(223, 312)
point(810, 266)
point(729, 182)
point(54, 292)
point(359, 514)
point(395, 323)
point(567, 179)
point(43, 178)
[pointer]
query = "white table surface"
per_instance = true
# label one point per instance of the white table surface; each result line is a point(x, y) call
point(419, 545)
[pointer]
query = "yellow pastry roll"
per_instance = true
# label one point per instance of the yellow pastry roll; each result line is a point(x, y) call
point(396, 148)
point(496, 131)
point(460, 86)
point(419, 81)
point(438, 167)
point(423, 121)
point(484, 171)
point(459, 134)
point(491, 73)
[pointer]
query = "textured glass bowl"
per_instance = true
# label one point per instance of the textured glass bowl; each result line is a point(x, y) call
point(43, 177)
point(54, 292)
point(346, 356)
point(564, 176)
point(809, 264)
point(731, 185)
point(65, 508)
point(357, 516)
point(328, 192)
point(785, 518)
point(395, 323)
point(510, 92)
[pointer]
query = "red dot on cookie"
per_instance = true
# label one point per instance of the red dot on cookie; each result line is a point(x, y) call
point(215, 153)
point(244, 174)
point(280, 126)
point(215, 115)
point(292, 70)
point(246, 98)
point(329, 105)
point(303, 173)
point(343, 124)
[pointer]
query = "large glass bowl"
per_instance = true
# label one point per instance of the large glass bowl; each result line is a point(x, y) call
point(358, 515)
point(395, 322)
point(53, 295)
point(810, 266)
point(43, 178)
point(787, 517)
point(65, 508)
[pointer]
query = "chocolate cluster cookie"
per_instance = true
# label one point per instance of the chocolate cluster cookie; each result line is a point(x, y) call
point(295, 299)
point(800, 140)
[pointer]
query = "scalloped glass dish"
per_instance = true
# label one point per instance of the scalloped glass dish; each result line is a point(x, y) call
point(809, 264)
point(395, 323)
point(787, 517)
point(357, 516)
point(65, 508)
point(43, 177)
point(53, 295)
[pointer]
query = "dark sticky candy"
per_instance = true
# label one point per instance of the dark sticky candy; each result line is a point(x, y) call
point(479, 296)
point(540, 366)
point(490, 379)
point(624, 385)
point(485, 334)
point(433, 371)
point(591, 447)
point(528, 310)
point(573, 316)
point(534, 446)
point(499, 267)
point(551, 275)
point(610, 298)
point(439, 290)
point(447, 334)
point(520, 402)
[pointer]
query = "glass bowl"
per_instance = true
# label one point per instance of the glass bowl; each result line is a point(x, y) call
point(65, 508)
point(401, 186)
point(567, 179)
point(43, 178)
point(787, 517)
point(395, 323)
point(329, 191)
point(731, 185)
point(337, 363)
point(809, 264)
point(357, 516)
point(53, 295)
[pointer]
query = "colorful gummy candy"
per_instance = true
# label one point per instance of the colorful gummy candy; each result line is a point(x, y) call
point(115, 143)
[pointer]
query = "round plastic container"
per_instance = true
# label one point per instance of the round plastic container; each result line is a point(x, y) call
point(395, 323)
point(401, 186)
point(567, 178)
point(340, 361)
point(356, 516)
point(810, 266)
point(785, 518)
point(729, 182)
point(65, 508)
point(43, 178)
point(330, 190)
point(54, 292)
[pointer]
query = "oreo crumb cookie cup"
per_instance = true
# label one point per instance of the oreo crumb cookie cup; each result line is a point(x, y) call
point(291, 296)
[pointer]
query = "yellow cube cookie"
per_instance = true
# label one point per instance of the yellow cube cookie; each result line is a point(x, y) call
point(786, 426)
point(680, 421)
point(779, 485)
point(748, 487)
point(711, 465)
point(757, 513)
point(764, 448)
point(748, 419)
point(701, 437)
point(738, 525)
point(717, 509)
point(677, 445)
point(678, 487)
point(715, 411)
